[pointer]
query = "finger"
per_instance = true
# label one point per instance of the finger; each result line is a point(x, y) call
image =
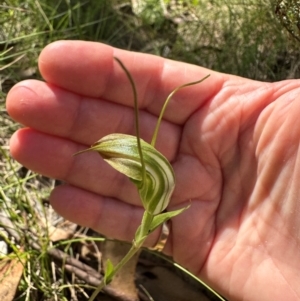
point(55, 111)
point(90, 70)
point(108, 216)
point(53, 157)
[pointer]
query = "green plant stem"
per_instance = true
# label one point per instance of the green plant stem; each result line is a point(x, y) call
point(133, 250)
point(144, 228)
point(140, 237)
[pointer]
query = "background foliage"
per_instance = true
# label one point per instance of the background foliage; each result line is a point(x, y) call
point(241, 37)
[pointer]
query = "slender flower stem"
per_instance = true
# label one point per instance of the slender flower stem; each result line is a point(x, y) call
point(144, 228)
point(138, 241)
point(133, 250)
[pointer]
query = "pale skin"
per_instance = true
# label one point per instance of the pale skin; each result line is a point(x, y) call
point(233, 143)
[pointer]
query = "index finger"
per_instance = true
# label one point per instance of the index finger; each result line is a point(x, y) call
point(88, 68)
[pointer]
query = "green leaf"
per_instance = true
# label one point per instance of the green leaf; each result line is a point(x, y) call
point(109, 269)
point(163, 217)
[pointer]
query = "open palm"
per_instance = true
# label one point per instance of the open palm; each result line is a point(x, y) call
point(233, 144)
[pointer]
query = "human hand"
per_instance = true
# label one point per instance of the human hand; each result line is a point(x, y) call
point(233, 144)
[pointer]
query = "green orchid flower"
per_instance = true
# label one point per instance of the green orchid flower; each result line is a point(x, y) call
point(148, 169)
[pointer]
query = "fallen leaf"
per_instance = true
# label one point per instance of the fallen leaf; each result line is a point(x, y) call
point(124, 280)
point(10, 274)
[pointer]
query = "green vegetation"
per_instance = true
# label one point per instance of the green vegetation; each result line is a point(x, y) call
point(241, 37)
